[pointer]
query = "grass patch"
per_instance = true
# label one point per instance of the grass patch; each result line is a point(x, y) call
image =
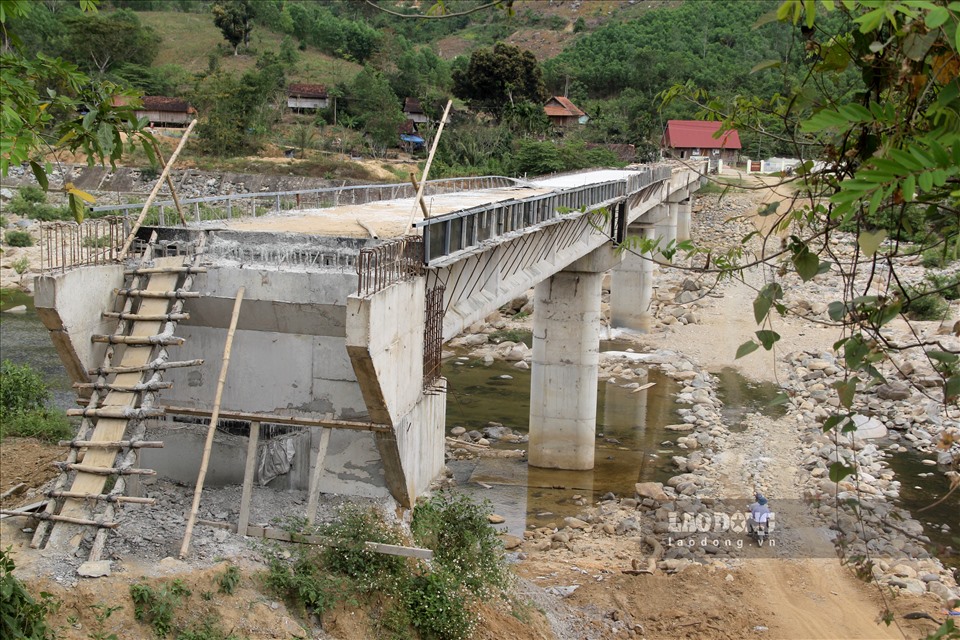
point(23, 406)
point(21, 614)
point(721, 186)
point(512, 335)
point(190, 38)
point(924, 305)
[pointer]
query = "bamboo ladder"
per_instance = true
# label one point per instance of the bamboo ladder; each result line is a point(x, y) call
point(121, 396)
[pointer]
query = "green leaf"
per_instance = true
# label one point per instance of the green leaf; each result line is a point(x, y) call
point(807, 264)
point(767, 338)
point(746, 348)
point(768, 209)
point(936, 17)
point(926, 179)
point(846, 389)
point(836, 310)
point(76, 207)
point(909, 188)
point(855, 113)
point(875, 201)
point(951, 388)
point(766, 64)
point(870, 241)
point(943, 356)
point(832, 421)
point(839, 471)
point(40, 175)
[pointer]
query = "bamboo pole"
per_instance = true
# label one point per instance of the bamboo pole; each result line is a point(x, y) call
point(416, 187)
point(211, 430)
point(426, 169)
point(156, 190)
point(173, 191)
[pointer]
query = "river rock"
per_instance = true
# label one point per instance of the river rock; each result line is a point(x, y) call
point(893, 391)
point(652, 490)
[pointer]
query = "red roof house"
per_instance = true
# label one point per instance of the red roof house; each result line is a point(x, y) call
point(688, 138)
point(562, 112)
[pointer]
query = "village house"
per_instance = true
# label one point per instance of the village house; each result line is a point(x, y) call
point(162, 111)
point(307, 97)
point(414, 112)
point(563, 113)
point(685, 139)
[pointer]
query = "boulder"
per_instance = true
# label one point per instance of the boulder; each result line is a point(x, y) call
point(652, 490)
point(893, 391)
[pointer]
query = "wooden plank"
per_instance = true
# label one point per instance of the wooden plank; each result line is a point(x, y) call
point(314, 495)
point(212, 428)
point(272, 418)
point(248, 473)
point(395, 550)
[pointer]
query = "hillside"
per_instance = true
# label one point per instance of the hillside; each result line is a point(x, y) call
point(188, 39)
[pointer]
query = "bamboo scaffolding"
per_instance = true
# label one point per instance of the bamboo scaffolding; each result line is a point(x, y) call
point(211, 430)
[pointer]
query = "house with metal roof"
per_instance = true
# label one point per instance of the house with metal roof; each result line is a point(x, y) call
point(563, 113)
point(685, 139)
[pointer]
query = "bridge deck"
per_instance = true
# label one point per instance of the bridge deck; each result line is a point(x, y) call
point(390, 218)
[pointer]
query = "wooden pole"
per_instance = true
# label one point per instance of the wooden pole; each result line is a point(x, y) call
point(426, 169)
point(173, 191)
point(156, 190)
point(211, 430)
point(416, 187)
point(314, 496)
point(248, 473)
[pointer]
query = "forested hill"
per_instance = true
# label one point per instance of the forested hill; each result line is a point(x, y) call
point(233, 59)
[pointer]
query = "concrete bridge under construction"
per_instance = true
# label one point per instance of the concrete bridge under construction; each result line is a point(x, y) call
point(348, 298)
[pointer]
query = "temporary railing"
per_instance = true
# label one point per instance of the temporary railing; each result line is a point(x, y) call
point(242, 205)
point(67, 244)
point(394, 261)
point(452, 232)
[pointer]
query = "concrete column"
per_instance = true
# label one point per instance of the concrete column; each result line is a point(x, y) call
point(684, 215)
point(631, 289)
point(563, 384)
point(671, 227)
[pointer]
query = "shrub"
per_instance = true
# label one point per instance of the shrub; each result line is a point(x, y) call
point(49, 425)
point(20, 265)
point(351, 557)
point(934, 257)
point(22, 615)
point(435, 603)
point(32, 194)
point(21, 388)
point(229, 580)
point(947, 285)
point(19, 239)
point(923, 305)
point(463, 542)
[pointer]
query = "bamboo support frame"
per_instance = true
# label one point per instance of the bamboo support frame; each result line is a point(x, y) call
point(156, 189)
point(314, 495)
point(272, 418)
point(139, 341)
point(150, 366)
point(118, 413)
point(147, 317)
point(249, 471)
point(143, 293)
point(211, 430)
point(42, 515)
point(103, 471)
point(141, 271)
point(426, 168)
point(105, 386)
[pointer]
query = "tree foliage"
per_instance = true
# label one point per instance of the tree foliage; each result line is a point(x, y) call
point(50, 105)
point(888, 151)
point(498, 77)
point(373, 102)
point(234, 18)
point(98, 42)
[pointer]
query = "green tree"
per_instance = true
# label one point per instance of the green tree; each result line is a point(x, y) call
point(375, 104)
point(234, 18)
point(41, 114)
point(498, 77)
point(98, 42)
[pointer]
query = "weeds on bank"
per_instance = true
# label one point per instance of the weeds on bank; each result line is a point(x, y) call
point(158, 607)
point(21, 614)
point(435, 599)
point(23, 406)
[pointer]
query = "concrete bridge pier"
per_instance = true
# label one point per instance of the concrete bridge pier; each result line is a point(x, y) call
point(631, 287)
point(566, 359)
point(684, 217)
